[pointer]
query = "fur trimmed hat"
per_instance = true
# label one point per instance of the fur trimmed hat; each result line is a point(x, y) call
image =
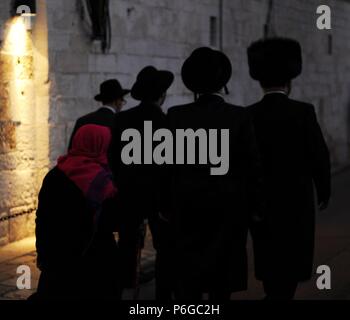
point(274, 61)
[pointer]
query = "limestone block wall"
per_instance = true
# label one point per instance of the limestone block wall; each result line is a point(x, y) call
point(163, 33)
point(67, 69)
point(325, 80)
point(160, 33)
point(23, 122)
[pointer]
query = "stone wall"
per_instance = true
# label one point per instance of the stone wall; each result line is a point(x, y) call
point(145, 32)
point(325, 80)
point(163, 33)
point(23, 122)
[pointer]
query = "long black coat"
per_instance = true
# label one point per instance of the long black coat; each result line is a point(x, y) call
point(64, 230)
point(210, 214)
point(294, 157)
point(139, 185)
point(103, 117)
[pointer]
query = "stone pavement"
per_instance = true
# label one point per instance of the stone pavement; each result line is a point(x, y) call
point(23, 253)
point(332, 249)
point(11, 257)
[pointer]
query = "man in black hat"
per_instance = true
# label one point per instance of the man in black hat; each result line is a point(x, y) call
point(112, 98)
point(140, 185)
point(295, 156)
point(210, 214)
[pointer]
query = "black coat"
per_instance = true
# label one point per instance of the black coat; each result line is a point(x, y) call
point(103, 117)
point(140, 182)
point(294, 157)
point(139, 186)
point(64, 230)
point(210, 214)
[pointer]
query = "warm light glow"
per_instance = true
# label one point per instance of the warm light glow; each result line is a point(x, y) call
point(18, 49)
point(24, 114)
point(17, 79)
point(17, 39)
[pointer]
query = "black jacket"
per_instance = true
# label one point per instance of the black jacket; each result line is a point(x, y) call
point(295, 157)
point(64, 230)
point(139, 186)
point(210, 214)
point(102, 117)
point(137, 182)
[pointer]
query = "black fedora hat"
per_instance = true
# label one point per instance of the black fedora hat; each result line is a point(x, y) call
point(206, 70)
point(111, 90)
point(274, 60)
point(151, 83)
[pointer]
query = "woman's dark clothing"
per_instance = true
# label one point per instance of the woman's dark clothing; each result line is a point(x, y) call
point(295, 157)
point(72, 266)
point(75, 222)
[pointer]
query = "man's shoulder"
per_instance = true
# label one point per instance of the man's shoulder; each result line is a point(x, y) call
point(87, 117)
point(301, 105)
point(299, 108)
point(102, 117)
point(129, 113)
point(189, 106)
point(292, 104)
point(179, 108)
point(142, 112)
point(234, 108)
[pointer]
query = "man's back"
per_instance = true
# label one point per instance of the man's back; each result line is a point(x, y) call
point(291, 143)
point(294, 156)
point(134, 119)
point(212, 112)
point(137, 181)
point(102, 117)
point(210, 213)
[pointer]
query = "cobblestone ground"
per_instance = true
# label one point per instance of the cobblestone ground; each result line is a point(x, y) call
point(332, 249)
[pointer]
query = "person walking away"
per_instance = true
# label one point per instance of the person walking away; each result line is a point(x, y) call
point(140, 185)
point(295, 158)
point(112, 98)
point(210, 214)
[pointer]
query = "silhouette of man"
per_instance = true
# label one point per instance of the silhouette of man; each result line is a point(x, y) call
point(209, 214)
point(112, 98)
point(140, 185)
point(294, 157)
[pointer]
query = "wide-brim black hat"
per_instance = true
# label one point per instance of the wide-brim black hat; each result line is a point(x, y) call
point(111, 90)
point(275, 60)
point(151, 83)
point(206, 70)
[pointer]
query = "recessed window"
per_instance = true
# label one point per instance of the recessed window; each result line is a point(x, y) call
point(213, 31)
point(330, 44)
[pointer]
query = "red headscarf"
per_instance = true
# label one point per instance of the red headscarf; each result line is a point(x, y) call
point(86, 163)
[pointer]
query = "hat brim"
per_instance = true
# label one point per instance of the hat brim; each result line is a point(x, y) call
point(206, 71)
point(149, 89)
point(101, 97)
